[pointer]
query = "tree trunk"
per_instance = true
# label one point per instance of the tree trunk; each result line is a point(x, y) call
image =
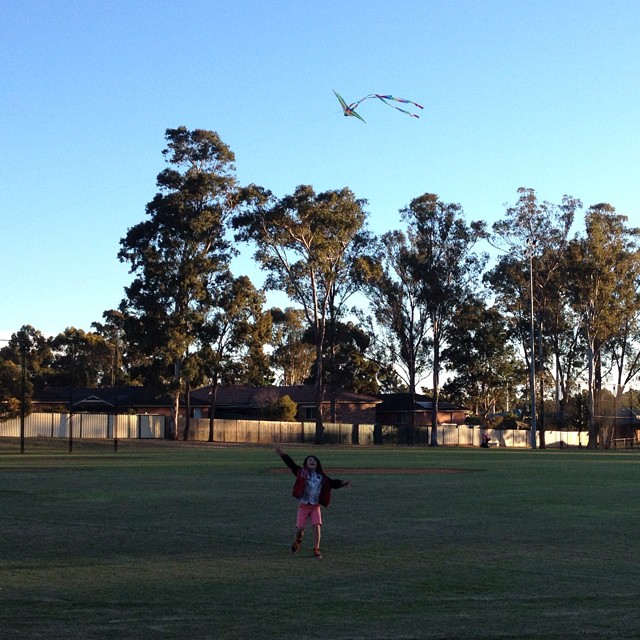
point(436, 389)
point(411, 422)
point(591, 405)
point(333, 402)
point(319, 388)
point(175, 411)
point(187, 422)
point(212, 407)
point(540, 422)
point(597, 395)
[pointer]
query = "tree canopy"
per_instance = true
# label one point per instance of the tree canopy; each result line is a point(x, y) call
point(369, 312)
point(180, 255)
point(303, 242)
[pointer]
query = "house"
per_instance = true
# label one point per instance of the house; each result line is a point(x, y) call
point(124, 399)
point(235, 401)
point(404, 409)
point(249, 402)
point(627, 424)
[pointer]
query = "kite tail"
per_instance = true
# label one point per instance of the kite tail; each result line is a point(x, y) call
point(384, 98)
point(354, 105)
point(403, 100)
point(413, 115)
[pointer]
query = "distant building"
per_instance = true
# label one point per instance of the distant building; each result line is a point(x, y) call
point(249, 402)
point(402, 409)
point(124, 399)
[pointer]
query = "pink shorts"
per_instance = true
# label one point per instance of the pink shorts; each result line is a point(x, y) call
point(306, 512)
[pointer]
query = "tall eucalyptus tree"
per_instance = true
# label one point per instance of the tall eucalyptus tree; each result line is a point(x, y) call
point(416, 282)
point(399, 324)
point(449, 270)
point(536, 233)
point(487, 372)
point(303, 242)
point(603, 270)
point(231, 340)
point(179, 254)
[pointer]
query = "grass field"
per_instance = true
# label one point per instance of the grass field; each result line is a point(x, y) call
point(164, 540)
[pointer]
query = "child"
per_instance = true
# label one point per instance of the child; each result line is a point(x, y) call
point(312, 488)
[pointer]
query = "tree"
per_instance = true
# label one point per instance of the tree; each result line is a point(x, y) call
point(231, 340)
point(303, 243)
point(537, 231)
point(28, 345)
point(180, 255)
point(283, 409)
point(256, 329)
point(292, 356)
point(509, 282)
point(112, 331)
point(560, 335)
point(486, 372)
point(623, 348)
point(602, 283)
point(80, 359)
point(448, 270)
point(347, 365)
point(509, 285)
point(399, 326)
point(10, 390)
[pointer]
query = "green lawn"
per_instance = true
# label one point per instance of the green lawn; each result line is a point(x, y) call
point(176, 541)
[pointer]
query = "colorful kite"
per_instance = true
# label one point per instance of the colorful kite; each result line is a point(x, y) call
point(350, 109)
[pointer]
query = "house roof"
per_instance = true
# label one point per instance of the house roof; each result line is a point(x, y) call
point(250, 396)
point(106, 397)
point(402, 402)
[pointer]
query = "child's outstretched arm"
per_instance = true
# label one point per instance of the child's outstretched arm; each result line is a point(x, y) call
point(287, 460)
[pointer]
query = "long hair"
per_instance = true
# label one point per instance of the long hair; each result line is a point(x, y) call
point(319, 468)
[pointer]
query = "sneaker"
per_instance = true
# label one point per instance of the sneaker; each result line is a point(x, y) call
point(295, 547)
point(316, 553)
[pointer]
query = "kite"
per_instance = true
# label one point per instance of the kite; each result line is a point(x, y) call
point(350, 109)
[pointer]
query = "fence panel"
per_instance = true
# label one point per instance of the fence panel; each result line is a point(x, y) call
point(11, 428)
point(565, 438)
point(123, 426)
point(92, 425)
point(466, 436)
point(84, 425)
point(449, 435)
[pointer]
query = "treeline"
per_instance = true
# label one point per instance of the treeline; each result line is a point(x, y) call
point(551, 324)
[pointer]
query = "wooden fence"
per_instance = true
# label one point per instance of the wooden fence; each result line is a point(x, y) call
point(85, 425)
point(106, 426)
point(265, 431)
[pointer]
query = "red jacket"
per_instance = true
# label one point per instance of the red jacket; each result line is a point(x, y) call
point(301, 475)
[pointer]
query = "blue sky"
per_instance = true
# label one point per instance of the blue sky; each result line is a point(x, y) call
point(542, 94)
